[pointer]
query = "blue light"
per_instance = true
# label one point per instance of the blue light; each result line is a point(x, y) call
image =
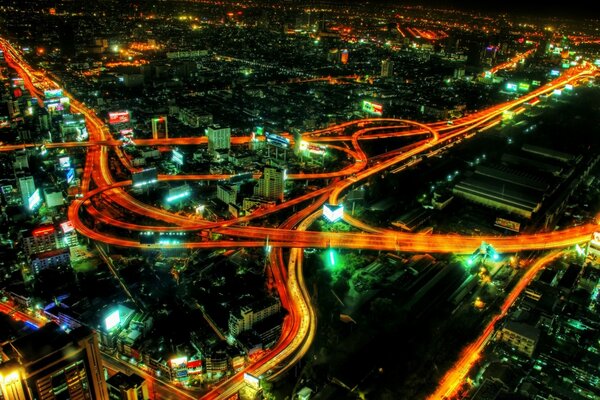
point(34, 326)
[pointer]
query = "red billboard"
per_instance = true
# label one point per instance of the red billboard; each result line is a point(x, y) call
point(118, 117)
point(43, 230)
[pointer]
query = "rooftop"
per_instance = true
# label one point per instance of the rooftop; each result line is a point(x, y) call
point(47, 340)
point(524, 330)
point(125, 382)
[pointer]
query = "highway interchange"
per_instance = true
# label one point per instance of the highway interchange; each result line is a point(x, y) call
point(300, 323)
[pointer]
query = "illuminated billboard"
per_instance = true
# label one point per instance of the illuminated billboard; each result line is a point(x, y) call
point(524, 86)
point(112, 320)
point(67, 227)
point(508, 224)
point(315, 149)
point(64, 162)
point(312, 148)
point(118, 117)
point(333, 213)
point(372, 108)
point(177, 157)
point(179, 362)
point(178, 193)
point(277, 140)
point(34, 200)
point(70, 175)
point(53, 93)
point(511, 87)
point(179, 366)
point(53, 106)
point(43, 230)
point(251, 380)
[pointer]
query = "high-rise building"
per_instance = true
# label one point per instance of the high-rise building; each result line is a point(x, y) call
point(227, 193)
point(51, 364)
point(47, 237)
point(271, 184)
point(21, 160)
point(26, 188)
point(387, 68)
point(245, 318)
point(218, 138)
point(40, 239)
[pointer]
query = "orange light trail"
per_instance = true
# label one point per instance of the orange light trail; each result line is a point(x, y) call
point(454, 379)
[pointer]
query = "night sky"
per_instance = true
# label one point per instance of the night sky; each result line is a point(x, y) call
point(549, 8)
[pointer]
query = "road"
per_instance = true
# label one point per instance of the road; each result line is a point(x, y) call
point(158, 389)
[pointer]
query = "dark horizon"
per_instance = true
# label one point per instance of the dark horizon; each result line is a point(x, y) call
point(513, 7)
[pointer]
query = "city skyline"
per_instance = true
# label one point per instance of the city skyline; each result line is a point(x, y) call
point(239, 200)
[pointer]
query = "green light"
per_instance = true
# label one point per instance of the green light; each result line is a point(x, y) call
point(470, 261)
point(331, 258)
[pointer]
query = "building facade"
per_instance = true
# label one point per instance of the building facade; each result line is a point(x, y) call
point(245, 318)
point(227, 193)
point(521, 337)
point(218, 138)
point(387, 68)
point(271, 184)
point(68, 366)
point(127, 387)
point(53, 259)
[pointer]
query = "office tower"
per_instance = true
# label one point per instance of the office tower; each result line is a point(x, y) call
point(26, 188)
point(271, 184)
point(218, 138)
point(51, 364)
